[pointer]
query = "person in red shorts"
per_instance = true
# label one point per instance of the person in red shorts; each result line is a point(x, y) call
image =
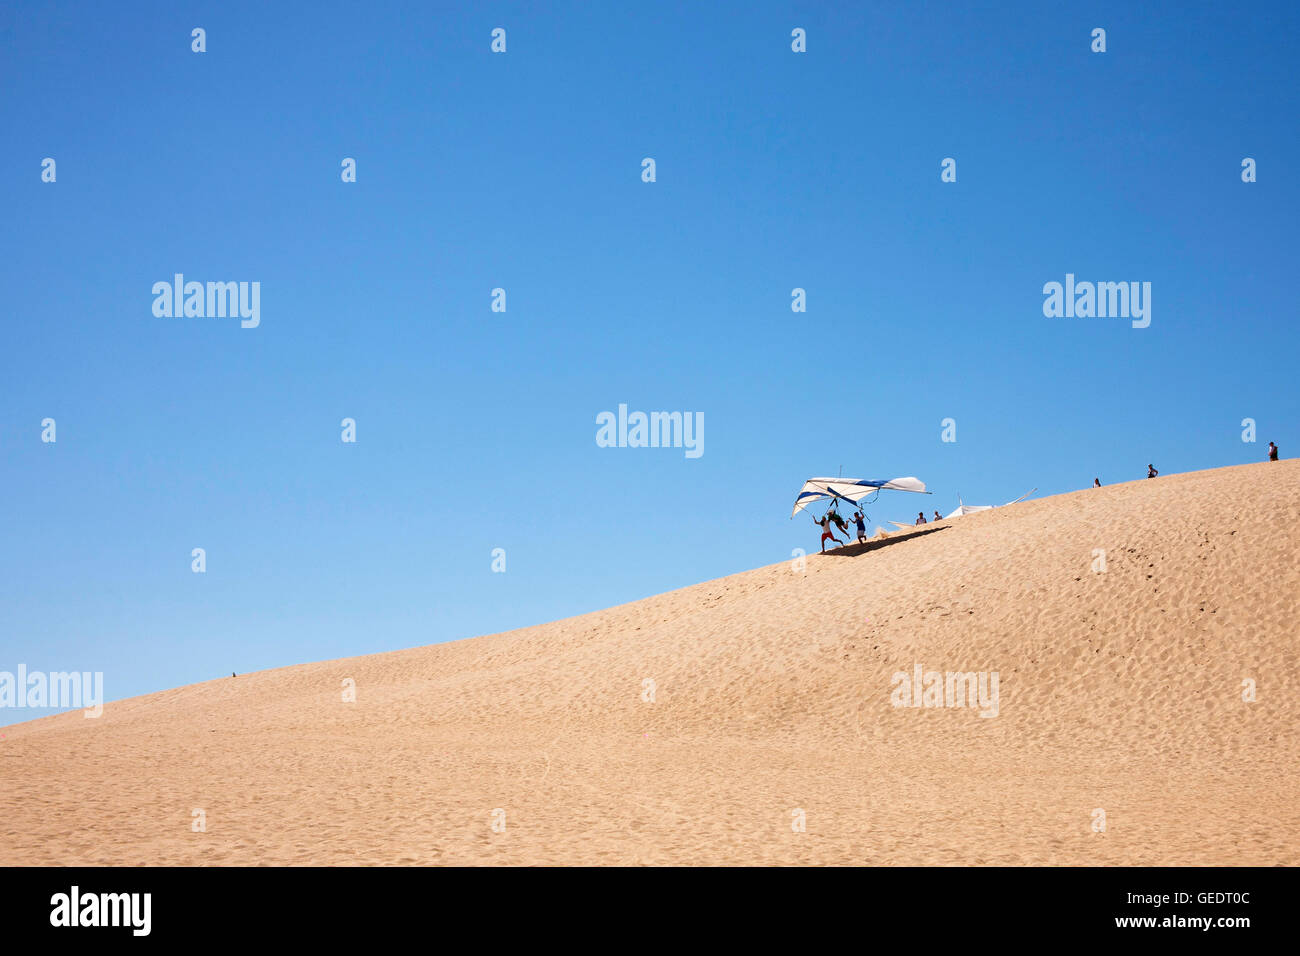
point(825, 523)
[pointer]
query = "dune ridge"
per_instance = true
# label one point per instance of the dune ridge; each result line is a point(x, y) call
point(1119, 690)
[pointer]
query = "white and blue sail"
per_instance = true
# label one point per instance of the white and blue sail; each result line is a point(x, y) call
point(851, 490)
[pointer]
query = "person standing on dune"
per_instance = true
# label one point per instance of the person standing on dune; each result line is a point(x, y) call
point(1151, 471)
point(920, 517)
point(1272, 452)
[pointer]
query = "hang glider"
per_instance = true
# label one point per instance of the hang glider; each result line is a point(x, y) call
point(1022, 497)
point(851, 490)
point(965, 509)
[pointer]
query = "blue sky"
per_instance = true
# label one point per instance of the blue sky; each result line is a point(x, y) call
point(476, 430)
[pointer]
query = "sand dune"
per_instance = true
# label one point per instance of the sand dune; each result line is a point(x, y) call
point(1119, 690)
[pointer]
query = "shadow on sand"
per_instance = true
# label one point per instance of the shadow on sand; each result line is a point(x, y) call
point(855, 549)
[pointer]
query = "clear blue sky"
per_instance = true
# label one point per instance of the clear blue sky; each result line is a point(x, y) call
point(476, 430)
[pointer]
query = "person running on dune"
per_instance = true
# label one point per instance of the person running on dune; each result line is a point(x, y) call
point(860, 520)
point(825, 523)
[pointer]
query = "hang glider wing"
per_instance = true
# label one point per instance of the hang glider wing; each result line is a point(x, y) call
point(1023, 497)
point(852, 490)
point(966, 510)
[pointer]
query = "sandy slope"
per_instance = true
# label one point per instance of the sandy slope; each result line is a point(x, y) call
point(1119, 690)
